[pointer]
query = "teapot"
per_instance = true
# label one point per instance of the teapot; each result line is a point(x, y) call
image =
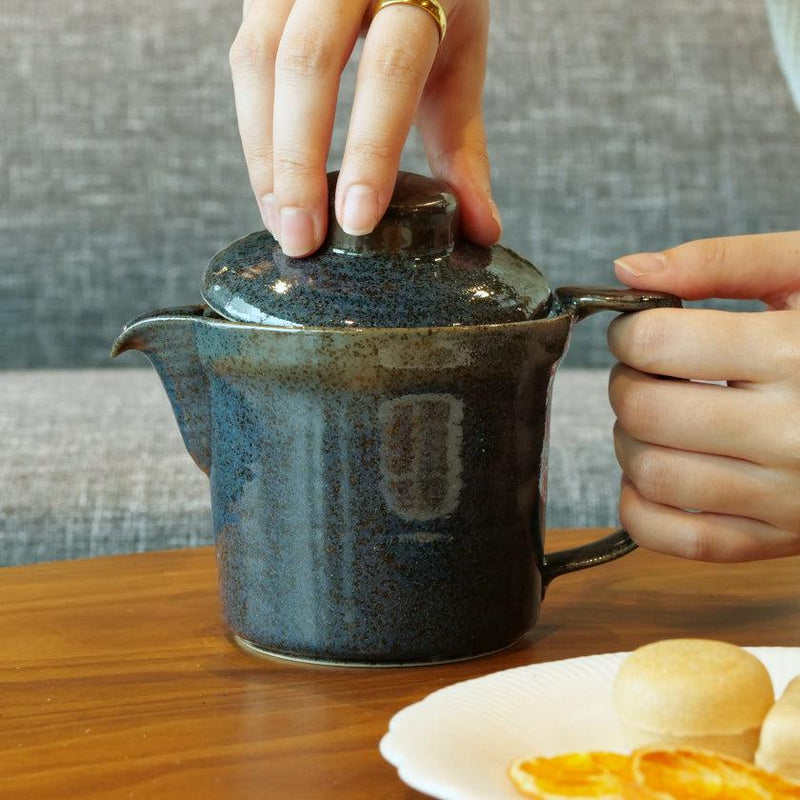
point(373, 420)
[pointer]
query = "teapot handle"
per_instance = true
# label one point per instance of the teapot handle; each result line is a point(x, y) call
point(581, 302)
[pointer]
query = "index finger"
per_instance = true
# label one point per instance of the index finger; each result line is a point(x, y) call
point(252, 61)
point(763, 266)
point(702, 344)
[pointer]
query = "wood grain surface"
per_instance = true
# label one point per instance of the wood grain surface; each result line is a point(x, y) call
point(117, 679)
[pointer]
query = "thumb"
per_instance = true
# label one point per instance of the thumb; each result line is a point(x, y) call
point(758, 267)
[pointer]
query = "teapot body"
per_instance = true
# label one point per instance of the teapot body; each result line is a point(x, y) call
point(376, 493)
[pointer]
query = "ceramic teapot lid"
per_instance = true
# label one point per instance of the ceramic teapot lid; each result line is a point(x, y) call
point(413, 270)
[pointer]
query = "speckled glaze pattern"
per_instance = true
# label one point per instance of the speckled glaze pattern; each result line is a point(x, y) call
point(412, 271)
point(253, 281)
point(378, 494)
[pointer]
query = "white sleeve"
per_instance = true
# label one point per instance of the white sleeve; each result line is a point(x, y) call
point(784, 20)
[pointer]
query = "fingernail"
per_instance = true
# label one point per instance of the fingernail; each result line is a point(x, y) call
point(640, 264)
point(296, 232)
point(360, 210)
point(267, 207)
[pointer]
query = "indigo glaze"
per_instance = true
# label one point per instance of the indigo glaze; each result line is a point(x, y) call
point(412, 271)
point(375, 435)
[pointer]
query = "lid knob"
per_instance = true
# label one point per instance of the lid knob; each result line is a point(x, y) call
point(421, 221)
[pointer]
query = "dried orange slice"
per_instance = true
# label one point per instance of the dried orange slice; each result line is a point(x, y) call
point(686, 773)
point(575, 776)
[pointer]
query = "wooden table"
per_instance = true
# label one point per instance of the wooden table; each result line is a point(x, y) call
point(117, 678)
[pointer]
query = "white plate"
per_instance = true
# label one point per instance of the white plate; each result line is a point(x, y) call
point(457, 742)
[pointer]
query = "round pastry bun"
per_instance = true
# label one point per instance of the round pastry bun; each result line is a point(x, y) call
point(695, 692)
point(779, 747)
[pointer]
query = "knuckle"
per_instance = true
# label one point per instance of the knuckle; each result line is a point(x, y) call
point(480, 152)
point(367, 150)
point(617, 387)
point(289, 164)
point(711, 253)
point(251, 51)
point(259, 168)
point(619, 446)
point(650, 475)
point(398, 65)
point(260, 156)
point(695, 538)
point(635, 408)
point(646, 338)
point(306, 56)
point(476, 150)
point(630, 516)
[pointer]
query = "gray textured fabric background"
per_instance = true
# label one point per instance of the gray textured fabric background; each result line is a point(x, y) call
point(614, 126)
point(101, 467)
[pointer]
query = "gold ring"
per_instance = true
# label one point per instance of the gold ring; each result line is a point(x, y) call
point(431, 6)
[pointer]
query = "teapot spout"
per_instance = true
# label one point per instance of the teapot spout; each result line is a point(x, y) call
point(168, 339)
